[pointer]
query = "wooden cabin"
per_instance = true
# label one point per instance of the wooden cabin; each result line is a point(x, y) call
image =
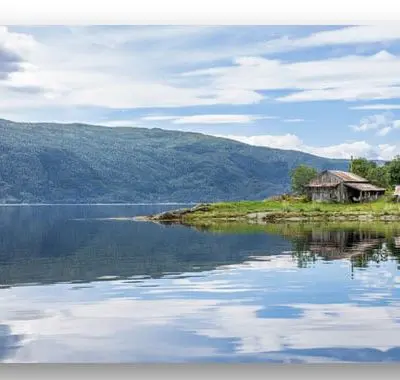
point(340, 186)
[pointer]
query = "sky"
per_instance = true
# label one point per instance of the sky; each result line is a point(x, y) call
point(333, 91)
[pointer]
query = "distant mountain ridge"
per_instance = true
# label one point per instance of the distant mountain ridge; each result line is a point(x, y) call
point(75, 163)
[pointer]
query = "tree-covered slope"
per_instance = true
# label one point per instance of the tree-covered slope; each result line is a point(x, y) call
point(46, 162)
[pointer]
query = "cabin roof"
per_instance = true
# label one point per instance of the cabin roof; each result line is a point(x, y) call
point(364, 187)
point(342, 177)
point(347, 177)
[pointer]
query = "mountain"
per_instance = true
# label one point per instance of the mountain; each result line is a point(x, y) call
point(75, 163)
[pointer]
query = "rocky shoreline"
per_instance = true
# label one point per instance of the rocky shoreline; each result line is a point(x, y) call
point(174, 215)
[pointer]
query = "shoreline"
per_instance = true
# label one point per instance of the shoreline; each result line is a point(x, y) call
point(265, 212)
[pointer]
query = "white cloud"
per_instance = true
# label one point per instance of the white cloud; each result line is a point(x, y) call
point(344, 150)
point(130, 67)
point(384, 131)
point(382, 123)
point(219, 119)
point(293, 120)
point(384, 107)
point(208, 118)
point(191, 119)
point(20, 43)
point(346, 78)
point(342, 36)
point(75, 71)
point(159, 118)
point(288, 141)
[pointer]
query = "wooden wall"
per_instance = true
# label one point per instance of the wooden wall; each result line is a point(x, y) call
point(325, 178)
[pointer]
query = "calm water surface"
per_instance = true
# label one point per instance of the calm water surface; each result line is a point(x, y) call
point(83, 284)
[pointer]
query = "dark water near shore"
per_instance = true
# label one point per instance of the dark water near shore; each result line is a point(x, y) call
point(80, 285)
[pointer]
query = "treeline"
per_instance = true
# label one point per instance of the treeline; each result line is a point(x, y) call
point(385, 175)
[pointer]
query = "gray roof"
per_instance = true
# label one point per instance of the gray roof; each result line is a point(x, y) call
point(347, 177)
point(364, 187)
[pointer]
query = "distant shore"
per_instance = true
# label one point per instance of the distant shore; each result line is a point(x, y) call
point(281, 210)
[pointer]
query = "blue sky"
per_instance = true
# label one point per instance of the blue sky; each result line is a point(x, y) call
point(333, 91)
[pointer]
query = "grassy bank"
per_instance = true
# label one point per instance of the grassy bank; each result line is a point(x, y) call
point(290, 209)
point(298, 229)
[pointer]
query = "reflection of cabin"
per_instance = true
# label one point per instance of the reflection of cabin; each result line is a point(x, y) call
point(339, 186)
point(340, 244)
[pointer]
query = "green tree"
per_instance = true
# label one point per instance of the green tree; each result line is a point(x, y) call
point(377, 175)
point(362, 167)
point(394, 171)
point(300, 177)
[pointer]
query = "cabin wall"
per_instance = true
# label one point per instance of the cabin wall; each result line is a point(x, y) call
point(324, 194)
point(325, 178)
point(344, 193)
point(338, 193)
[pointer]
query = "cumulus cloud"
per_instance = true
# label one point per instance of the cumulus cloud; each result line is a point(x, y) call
point(15, 51)
point(13, 48)
point(125, 80)
point(96, 67)
point(346, 78)
point(287, 141)
point(382, 123)
point(344, 150)
point(108, 75)
point(9, 62)
point(351, 35)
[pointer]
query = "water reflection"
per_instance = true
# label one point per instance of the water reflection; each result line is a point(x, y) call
point(79, 243)
point(122, 291)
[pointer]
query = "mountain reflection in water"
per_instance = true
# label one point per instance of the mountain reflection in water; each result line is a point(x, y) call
point(83, 284)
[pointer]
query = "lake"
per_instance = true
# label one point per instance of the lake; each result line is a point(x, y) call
point(88, 284)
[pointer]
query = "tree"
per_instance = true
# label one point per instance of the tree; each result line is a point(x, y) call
point(394, 171)
point(377, 175)
point(300, 177)
point(362, 167)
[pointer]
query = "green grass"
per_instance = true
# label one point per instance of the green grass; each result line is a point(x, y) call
point(293, 208)
point(298, 229)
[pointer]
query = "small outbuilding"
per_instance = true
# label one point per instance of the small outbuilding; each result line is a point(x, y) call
point(340, 186)
point(396, 193)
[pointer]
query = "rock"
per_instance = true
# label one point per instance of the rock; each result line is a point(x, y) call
point(200, 207)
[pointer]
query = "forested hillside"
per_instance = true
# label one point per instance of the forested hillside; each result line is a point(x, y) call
point(46, 162)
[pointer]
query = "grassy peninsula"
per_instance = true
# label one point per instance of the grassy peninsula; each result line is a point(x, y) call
point(282, 209)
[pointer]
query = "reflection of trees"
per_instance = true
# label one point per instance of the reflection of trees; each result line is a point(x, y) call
point(361, 247)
